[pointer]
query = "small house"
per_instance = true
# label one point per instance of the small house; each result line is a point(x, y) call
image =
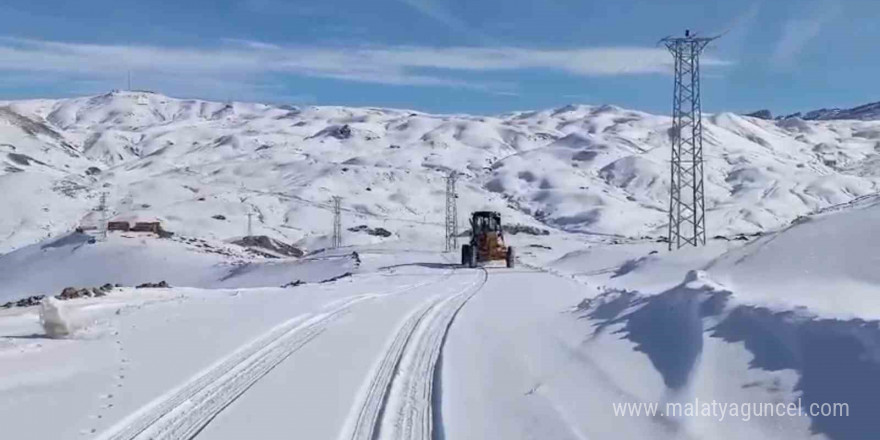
point(118, 226)
point(154, 227)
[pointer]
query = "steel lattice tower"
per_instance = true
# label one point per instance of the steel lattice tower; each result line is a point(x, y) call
point(337, 221)
point(687, 218)
point(102, 207)
point(451, 213)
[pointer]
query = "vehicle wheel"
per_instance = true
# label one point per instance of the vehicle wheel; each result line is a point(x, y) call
point(510, 257)
point(465, 254)
point(472, 258)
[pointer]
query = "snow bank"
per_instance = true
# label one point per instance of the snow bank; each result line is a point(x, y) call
point(644, 266)
point(827, 263)
point(708, 345)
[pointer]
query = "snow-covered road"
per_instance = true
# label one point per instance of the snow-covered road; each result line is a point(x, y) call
point(369, 375)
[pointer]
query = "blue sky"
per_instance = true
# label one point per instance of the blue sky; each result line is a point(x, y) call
point(474, 56)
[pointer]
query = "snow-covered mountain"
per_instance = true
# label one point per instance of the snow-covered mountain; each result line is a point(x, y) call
point(863, 112)
point(201, 167)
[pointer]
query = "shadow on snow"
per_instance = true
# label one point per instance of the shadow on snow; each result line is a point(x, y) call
point(837, 361)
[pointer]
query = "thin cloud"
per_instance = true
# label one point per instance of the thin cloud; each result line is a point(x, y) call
point(237, 60)
point(441, 15)
point(798, 32)
point(736, 33)
point(583, 62)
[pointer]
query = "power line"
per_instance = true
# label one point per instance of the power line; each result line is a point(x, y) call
point(687, 213)
point(337, 221)
point(451, 213)
point(329, 207)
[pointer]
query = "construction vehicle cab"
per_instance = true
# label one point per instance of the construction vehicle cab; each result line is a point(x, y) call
point(487, 241)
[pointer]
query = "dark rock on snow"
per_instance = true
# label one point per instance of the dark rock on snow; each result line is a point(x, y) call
point(160, 285)
point(269, 244)
point(761, 114)
point(376, 232)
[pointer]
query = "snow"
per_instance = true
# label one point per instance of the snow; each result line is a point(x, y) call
point(386, 337)
point(827, 263)
point(769, 314)
point(370, 352)
point(132, 259)
point(823, 262)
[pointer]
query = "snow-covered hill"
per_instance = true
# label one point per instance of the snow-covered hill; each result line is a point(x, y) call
point(202, 167)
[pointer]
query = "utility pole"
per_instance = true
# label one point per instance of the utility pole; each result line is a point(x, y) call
point(102, 207)
point(337, 222)
point(687, 214)
point(250, 230)
point(451, 213)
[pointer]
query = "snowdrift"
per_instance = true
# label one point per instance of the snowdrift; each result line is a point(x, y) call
point(706, 345)
point(827, 263)
point(786, 316)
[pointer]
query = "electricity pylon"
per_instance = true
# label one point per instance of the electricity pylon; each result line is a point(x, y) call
point(451, 213)
point(687, 213)
point(337, 221)
point(102, 207)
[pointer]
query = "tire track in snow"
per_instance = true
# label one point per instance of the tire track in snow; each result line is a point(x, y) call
point(370, 411)
point(184, 412)
point(398, 401)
